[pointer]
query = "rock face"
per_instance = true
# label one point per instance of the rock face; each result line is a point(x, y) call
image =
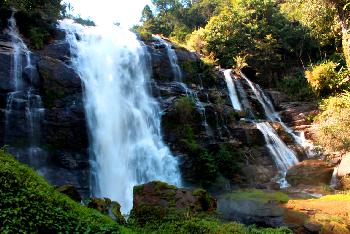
point(343, 173)
point(310, 172)
point(156, 200)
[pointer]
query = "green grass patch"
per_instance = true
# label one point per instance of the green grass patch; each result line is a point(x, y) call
point(258, 195)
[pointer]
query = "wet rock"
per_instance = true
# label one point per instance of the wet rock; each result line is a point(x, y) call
point(156, 200)
point(310, 172)
point(59, 80)
point(70, 191)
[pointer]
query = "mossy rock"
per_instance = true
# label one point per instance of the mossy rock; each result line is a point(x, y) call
point(70, 191)
point(157, 201)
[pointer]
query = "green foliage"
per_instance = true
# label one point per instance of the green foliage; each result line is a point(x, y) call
point(325, 78)
point(228, 160)
point(36, 18)
point(257, 31)
point(295, 85)
point(184, 108)
point(334, 122)
point(37, 37)
point(207, 226)
point(30, 205)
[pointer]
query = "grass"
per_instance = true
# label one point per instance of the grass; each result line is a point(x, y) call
point(258, 195)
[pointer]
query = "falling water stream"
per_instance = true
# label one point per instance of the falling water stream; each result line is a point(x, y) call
point(282, 155)
point(124, 120)
point(24, 109)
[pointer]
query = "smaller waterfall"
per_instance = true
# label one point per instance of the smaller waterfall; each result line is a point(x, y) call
point(24, 110)
point(172, 58)
point(283, 157)
point(334, 180)
point(273, 115)
point(178, 80)
point(232, 90)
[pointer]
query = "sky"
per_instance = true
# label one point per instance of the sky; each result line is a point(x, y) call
point(125, 12)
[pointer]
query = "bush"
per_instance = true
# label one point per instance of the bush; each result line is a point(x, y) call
point(296, 86)
point(334, 123)
point(325, 78)
point(196, 41)
point(228, 160)
point(207, 226)
point(28, 204)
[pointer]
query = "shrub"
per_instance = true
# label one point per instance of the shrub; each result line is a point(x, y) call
point(325, 79)
point(228, 160)
point(296, 86)
point(334, 123)
point(206, 226)
point(28, 204)
point(196, 41)
point(184, 108)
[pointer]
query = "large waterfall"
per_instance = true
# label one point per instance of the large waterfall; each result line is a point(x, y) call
point(124, 120)
point(282, 155)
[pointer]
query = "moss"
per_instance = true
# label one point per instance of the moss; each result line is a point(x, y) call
point(258, 195)
point(138, 189)
point(159, 186)
point(30, 205)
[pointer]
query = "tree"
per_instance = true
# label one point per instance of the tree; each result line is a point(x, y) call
point(147, 14)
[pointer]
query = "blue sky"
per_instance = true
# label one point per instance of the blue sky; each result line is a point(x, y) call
point(126, 12)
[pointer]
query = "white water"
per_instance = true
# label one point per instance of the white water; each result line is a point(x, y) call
point(124, 120)
point(334, 180)
point(172, 58)
point(283, 156)
point(178, 80)
point(273, 115)
point(24, 100)
point(232, 90)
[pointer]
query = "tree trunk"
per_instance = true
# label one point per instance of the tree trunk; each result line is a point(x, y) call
point(345, 34)
point(346, 46)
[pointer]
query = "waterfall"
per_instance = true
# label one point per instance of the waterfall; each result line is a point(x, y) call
point(172, 58)
point(178, 81)
point(334, 180)
point(283, 156)
point(232, 90)
point(24, 109)
point(123, 119)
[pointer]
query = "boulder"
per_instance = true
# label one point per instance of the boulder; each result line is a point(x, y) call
point(344, 166)
point(70, 191)
point(59, 80)
point(107, 207)
point(257, 207)
point(310, 172)
point(156, 200)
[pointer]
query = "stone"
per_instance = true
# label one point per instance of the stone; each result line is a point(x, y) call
point(251, 209)
point(157, 200)
point(344, 166)
point(70, 191)
point(310, 172)
point(312, 228)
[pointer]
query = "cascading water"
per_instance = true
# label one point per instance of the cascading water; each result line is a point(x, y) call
point(273, 115)
point(334, 179)
point(178, 79)
point(172, 58)
point(232, 90)
point(283, 157)
point(24, 110)
point(124, 120)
